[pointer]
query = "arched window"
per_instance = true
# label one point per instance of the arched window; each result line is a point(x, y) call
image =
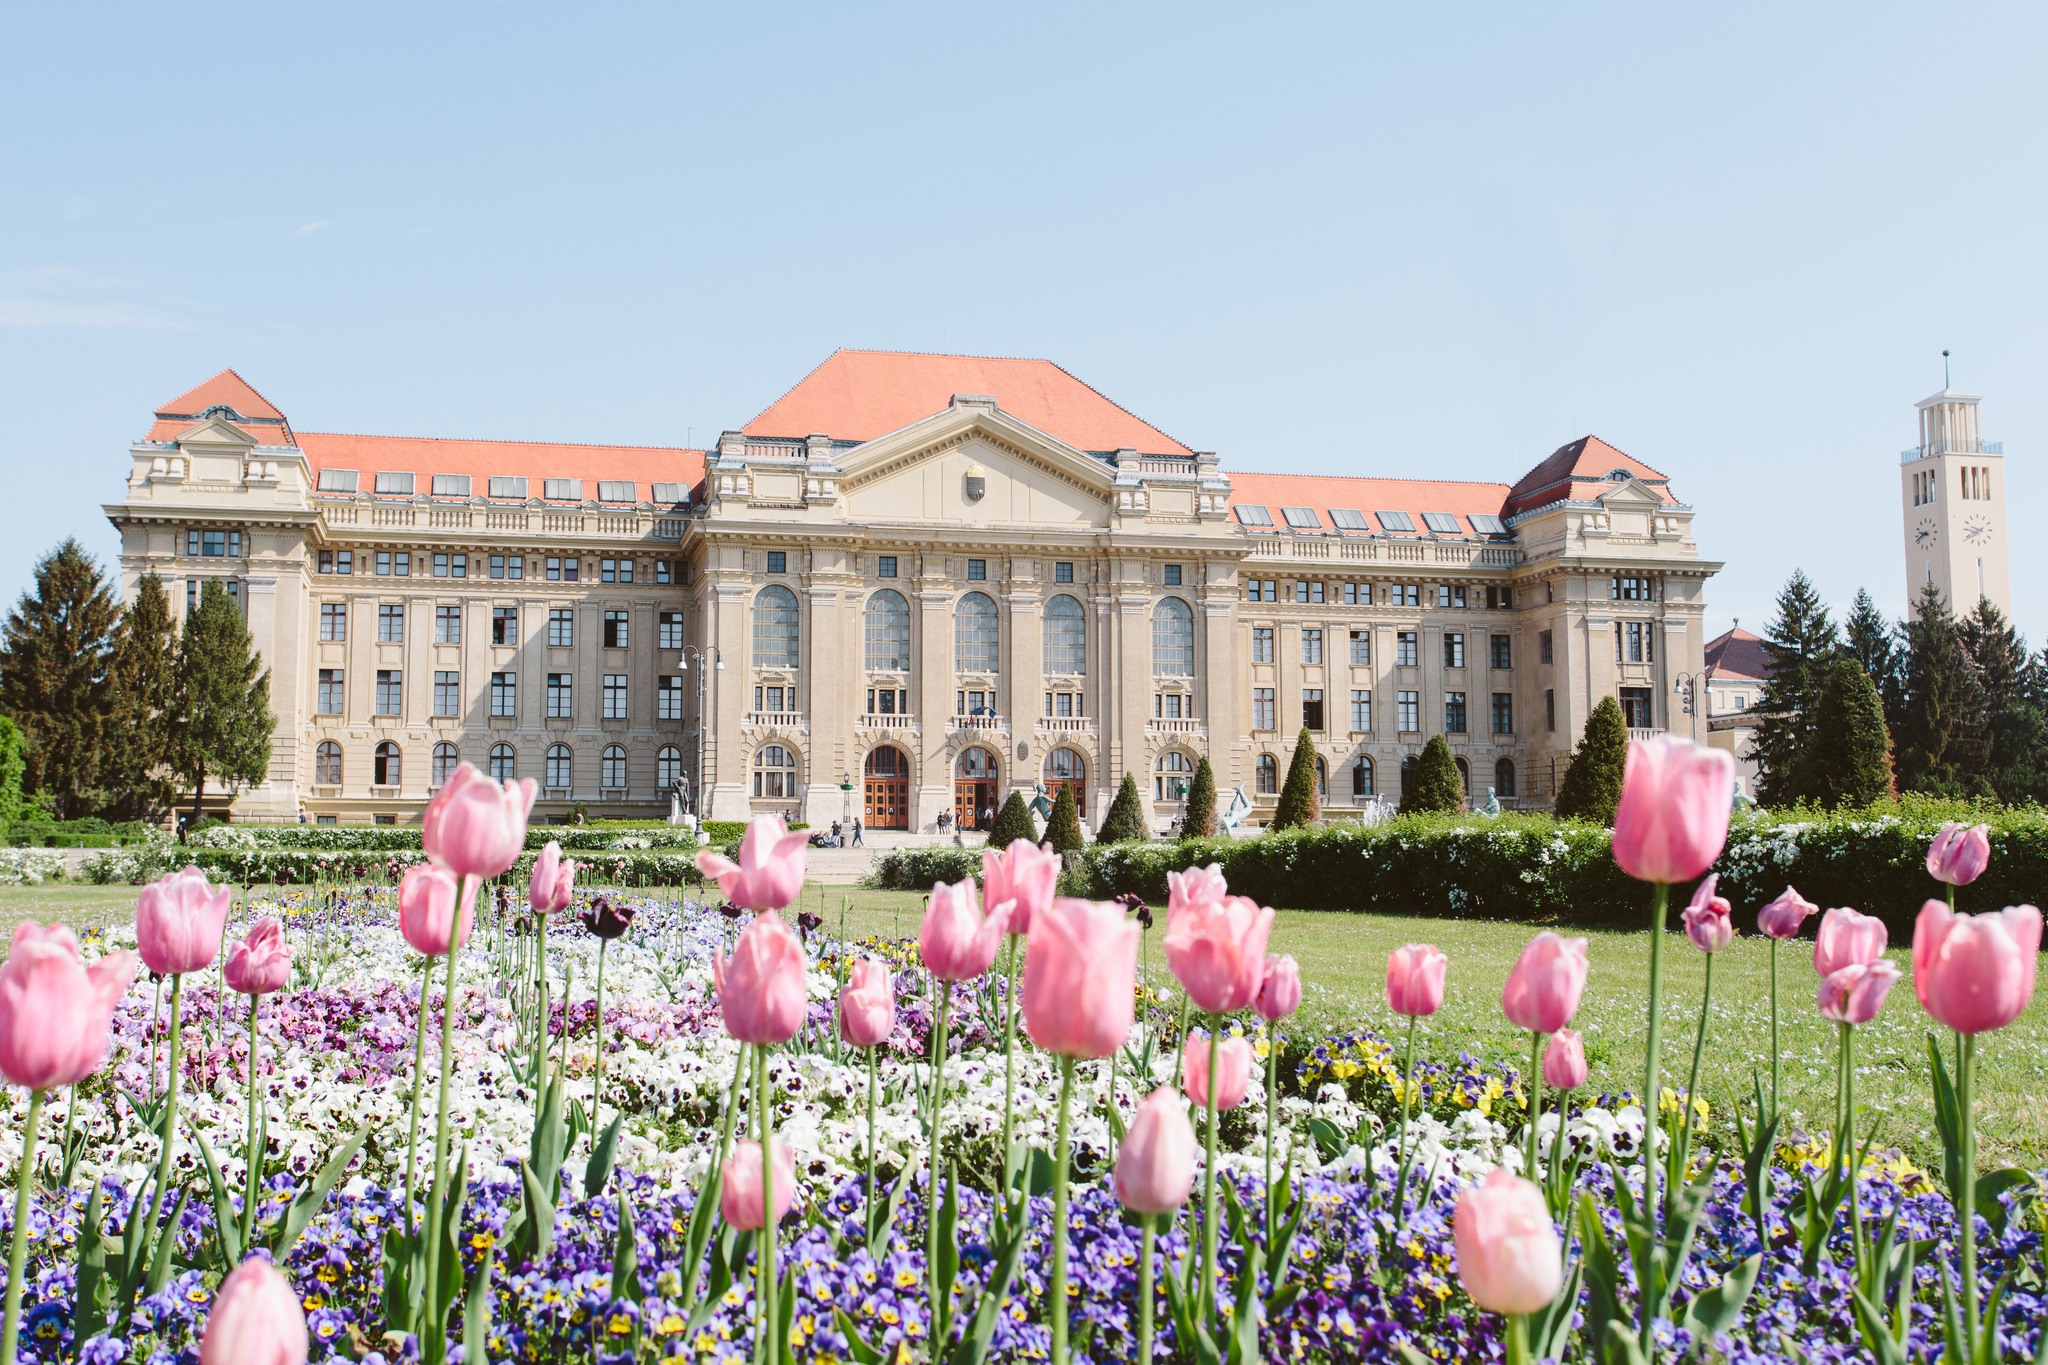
point(504, 767)
point(384, 765)
point(1322, 778)
point(327, 764)
point(668, 766)
point(1066, 636)
point(1175, 774)
point(1504, 779)
point(1173, 639)
point(1408, 767)
point(775, 773)
point(561, 767)
point(611, 766)
point(775, 627)
point(1065, 765)
point(445, 762)
point(1361, 776)
point(888, 631)
point(977, 635)
point(977, 762)
point(1464, 776)
point(1268, 775)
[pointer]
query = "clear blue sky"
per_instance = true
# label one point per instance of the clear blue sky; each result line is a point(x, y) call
point(1731, 240)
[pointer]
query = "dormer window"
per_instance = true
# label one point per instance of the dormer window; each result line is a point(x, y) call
point(617, 490)
point(670, 494)
point(1302, 518)
point(400, 483)
point(1396, 521)
point(1443, 523)
point(338, 480)
point(506, 486)
point(1251, 514)
point(1619, 476)
point(1487, 524)
point(1348, 519)
point(562, 490)
point(451, 485)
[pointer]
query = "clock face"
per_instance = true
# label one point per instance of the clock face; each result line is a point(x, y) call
point(1924, 533)
point(1977, 530)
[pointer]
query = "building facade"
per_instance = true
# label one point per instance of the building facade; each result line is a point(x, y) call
point(913, 584)
point(1952, 492)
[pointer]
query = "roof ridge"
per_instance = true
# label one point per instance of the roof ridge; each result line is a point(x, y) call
point(1596, 436)
point(509, 441)
point(1141, 421)
point(1375, 478)
point(229, 370)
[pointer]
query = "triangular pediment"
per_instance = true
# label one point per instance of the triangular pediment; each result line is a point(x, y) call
point(975, 465)
point(219, 431)
point(1630, 493)
point(987, 424)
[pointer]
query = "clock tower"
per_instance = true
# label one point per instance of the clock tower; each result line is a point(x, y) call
point(1952, 489)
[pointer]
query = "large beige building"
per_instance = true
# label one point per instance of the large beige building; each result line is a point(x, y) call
point(1952, 492)
point(911, 585)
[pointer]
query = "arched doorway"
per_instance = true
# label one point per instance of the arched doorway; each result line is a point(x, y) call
point(887, 801)
point(1066, 768)
point(974, 789)
point(1504, 780)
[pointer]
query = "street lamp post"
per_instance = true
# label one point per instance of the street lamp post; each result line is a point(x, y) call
point(1689, 687)
point(708, 653)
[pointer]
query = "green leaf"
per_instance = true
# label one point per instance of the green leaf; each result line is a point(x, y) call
point(857, 1345)
point(1602, 1271)
point(625, 1254)
point(1991, 1189)
point(947, 1270)
point(160, 1262)
point(476, 1313)
point(600, 1168)
point(1947, 1118)
point(299, 1213)
point(537, 1233)
point(1717, 1310)
point(227, 1228)
point(1618, 1346)
point(1550, 1330)
point(697, 1234)
point(88, 1312)
point(1877, 1337)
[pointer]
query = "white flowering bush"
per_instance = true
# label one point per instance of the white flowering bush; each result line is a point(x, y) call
point(30, 866)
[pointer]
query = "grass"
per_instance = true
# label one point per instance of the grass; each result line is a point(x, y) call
point(1343, 966)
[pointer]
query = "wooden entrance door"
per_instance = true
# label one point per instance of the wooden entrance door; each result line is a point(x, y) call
point(886, 803)
point(974, 789)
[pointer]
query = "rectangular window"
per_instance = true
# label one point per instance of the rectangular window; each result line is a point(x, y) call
point(1262, 644)
point(338, 480)
point(1396, 521)
point(504, 486)
point(617, 490)
point(977, 570)
point(614, 696)
point(1063, 571)
point(1501, 651)
point(508, 566)
point(1262, 708)
point(778, 561)
point(1311, 646)
point(504, 694)
point(1454, 713)
point(561, 627)
point(451, 485)
point(1261, 590)
point(1312, 707)
point(1302, 518)
point(561, 696)
point(1172, 575)
point(1500, 598)
point(1443, 523)
point(1635, 708)
point(1348, 519)
point(1361, 648)
point(333, 620)
point(1503, 713)
point(448, 625)
point(1253, 515)
point(394, 564)
point(1630, 589)
point(1361, 709)
point(1172, 706)
point(885, 566)
point(394, 483)
point(664, 572)
point(391, 623)
point(1550, 709)
point(668, 630)
point(390, 687)
point(562, 490)
point(1407, 648)
point(770, 698)
point(668, 697)
point(1454, 649)
point(447, 692)
point(563, 570)
point(440, 566)
point(1634, 642)
point(1543, 647)
point(327, 560)
point(1408, 712)
point(1358, 594)
point(1306, 591)
point(328, 702)
point(615, 571)
point(504, 626)
point(615, 630)
point(1450, 595)
point(191, 595)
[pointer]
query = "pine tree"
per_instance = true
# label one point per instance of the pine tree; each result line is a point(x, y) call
point(1941, 743)
point(1798, 644)
point(1125, 820)
point(1848, 759)
point(224, 731)
point(54, 678)
point(1873, 642)
point(145, 704)
point(1298, 804)
point(2015, 726)
point(13, 762)
point(1063, 830)
point(1200, 821)
point(1592, 784)
point(1013, 822)
point(1436, 784)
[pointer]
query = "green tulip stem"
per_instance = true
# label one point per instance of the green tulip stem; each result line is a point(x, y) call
point(1210, 1231)
point(1535, 1102)
point(1009, 1060)
point(419, 1066)
point(1062, 1156)
point(17, 1253)
point(1146, 1225)
point(1966, 1196)
point(253, 1156)
point(1518, 1339)
point(1272, 1089)
point(597, 1081)
point(764, 1109)
point(1692, 1083)
point(931, 1184)
point(1401, 1146)
point(1776, 1051)
point(874, 1066)
point(1660, 895)
point(435, 1336)
point(159, 1198)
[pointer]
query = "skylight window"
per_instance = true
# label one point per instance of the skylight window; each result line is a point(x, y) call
point(1250, 514)
point(508, 486)
point(451, 485)
point(1302, 518)
point(1443, 523)
point(669, 494)
point(616, 490)
point(1619, 476)
point(394, 483)
point(1395, 521)
point(1487, 524)
point(338, 480)
point(562, 490)
point(1348, 519)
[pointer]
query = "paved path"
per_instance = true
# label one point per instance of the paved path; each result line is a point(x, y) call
point(846, 866)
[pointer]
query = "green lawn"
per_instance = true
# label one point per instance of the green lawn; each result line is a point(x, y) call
point(1343, 962)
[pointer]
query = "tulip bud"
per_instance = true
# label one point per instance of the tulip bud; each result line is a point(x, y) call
point(255, 1320)
point(1855, 993)
point(1233, 1071)
point(740, 1198)
point(1155, 1165)
point(179, 921)
point(1543, 990)
point(761, 990)
point(1564, 1060)
point(56, 1012)
point(1783, 917)
point(1975, 973)
point(1707, 921)
point(1845, 937)
point(1959, 856)
point(1508, 1255)
point(1673, 816)
point(1415, 980)
point(867, 1004)
point(428, 913)
point(261, 962)
point(1279, 989)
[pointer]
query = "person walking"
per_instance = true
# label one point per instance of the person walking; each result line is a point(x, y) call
point(856, 832)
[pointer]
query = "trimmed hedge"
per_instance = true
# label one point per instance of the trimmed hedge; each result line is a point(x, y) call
point(406, 838)
point(298, 867)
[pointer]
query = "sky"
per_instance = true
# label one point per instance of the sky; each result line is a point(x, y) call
point(1731, 240)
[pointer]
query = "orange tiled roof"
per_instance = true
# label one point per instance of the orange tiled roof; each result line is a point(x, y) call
point(1738, 654)
point(226, 389)
point(1575, 471)
point(859, 395)
point(426, 456)
point(1323, 492)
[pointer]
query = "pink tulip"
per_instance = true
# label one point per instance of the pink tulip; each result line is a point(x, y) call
point(1564, 1060)
point(477, 826)
point(1847, 937)
point(1081, 978)
point(1155, 1166)
point(179, 921)
point(1415, 980)
point(55, 1011)
point(867, 1004)
point(1543, 990)
point(1707, 920)
point(255, 1320)
point(1279, 988)
point(1958, 855)
point(1855, 993)
point(761, 987)
point(739, 1198)
point(1673, 817)
point(553, 882)
point(956, 941)
point(1024, 874)
point(1215, 943)
point(1233, 1071)
point(770, 871)
point(1975, 973)
point(428, 914)
point(260, 963)
point(1783, 917)
point(1508, 1255)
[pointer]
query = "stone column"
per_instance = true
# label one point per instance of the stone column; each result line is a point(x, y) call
point(726, 751)
point(1023, 686)
point(931, 788)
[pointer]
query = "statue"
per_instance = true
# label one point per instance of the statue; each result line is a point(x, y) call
point(1230, 823)
point(1490, 808)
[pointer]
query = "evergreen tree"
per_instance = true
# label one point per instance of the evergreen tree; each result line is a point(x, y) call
point(13, 762)
point(225, 728)
point(1873, 642)
point(1436, 785)
point(1592, 784)
point(1848, 759)
point(1298, 804)
point(1941, 744)
point(1200, 822)
point(1063, 830)
point(1126, 818)
point(2015, 726)
point(1799, 643)
point(1013, 822)
point(145, 705)
point(54, 678)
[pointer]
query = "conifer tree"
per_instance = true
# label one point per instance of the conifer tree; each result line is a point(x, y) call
point(1298, 804)
point(1063, 830)
point(13, 762)
point(1798, 643)
point(1200, 821)
point(1125, 820)
point(1941, 744)
point(1436, 784)
point(2015, 726)
point(54, 678)
point(1848, 760)
point(1013, 822)
point(224, 731)
point(1873, 642)
point(1592, 784)
point(145, 703)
